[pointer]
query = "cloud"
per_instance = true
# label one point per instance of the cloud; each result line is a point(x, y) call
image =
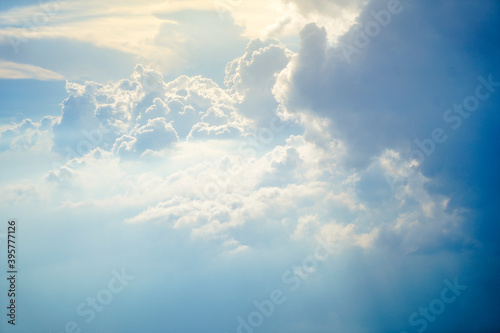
point(373, 98)
point(27, 135)
point(172, 36)
point(12, 70)
point(250, 79)
point(177, 37)
point(155, 135)
point(62, 176)
point(247, 177)
point(202, 42)
point(336, 16)
point(120, 114)
point(66, 19)
point(278, 186)
point(20, 192)
point(289, 192)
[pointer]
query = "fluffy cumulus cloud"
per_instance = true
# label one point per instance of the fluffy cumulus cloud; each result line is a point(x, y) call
point(348, 141)
point(251, 77)
point(143, 113)
point(301, 186)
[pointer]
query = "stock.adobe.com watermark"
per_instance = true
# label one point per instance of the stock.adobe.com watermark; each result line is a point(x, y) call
point(292, 278)
point(425, 315)
point(88, 309)
point(454, 117)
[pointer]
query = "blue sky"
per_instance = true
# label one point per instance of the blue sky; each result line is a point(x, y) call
point(267, 166)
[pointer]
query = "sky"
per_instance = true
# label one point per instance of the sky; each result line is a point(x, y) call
point(228, 166)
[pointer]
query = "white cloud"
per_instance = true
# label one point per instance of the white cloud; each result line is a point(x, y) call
point(250, 79)
point(155, 135)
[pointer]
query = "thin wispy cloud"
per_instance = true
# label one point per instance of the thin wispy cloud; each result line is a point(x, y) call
point(12, 70)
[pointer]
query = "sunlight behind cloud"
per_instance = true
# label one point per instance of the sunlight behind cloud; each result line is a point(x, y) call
point(153, 33)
